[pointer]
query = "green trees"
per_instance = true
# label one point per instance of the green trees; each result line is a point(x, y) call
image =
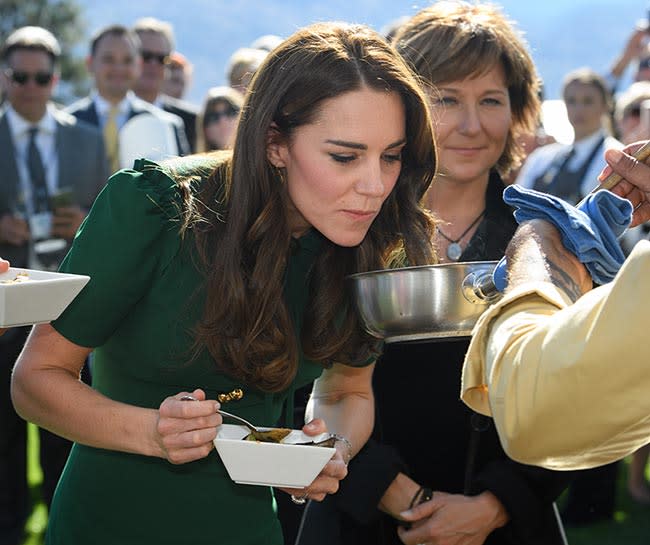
point(64, 19)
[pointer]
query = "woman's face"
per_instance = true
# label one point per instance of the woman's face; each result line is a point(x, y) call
point(585, 108)
point(471, 119)
point(219, 124)
point(342, 167)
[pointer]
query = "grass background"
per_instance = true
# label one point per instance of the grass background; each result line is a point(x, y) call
point(630, 526)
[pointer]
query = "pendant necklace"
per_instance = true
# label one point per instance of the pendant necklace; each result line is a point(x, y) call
point(454, 249)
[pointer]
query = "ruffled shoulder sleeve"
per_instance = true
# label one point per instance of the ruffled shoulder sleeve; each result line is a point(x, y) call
point(130, 235)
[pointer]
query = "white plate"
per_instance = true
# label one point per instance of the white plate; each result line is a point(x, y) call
point(40, 299)
point(270, 464)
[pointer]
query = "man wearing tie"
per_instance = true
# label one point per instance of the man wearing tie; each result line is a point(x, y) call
point(51, 169)
point(570, 172)
point(157, 39)
point(115, 63)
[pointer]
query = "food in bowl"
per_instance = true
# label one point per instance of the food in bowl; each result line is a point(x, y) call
point(277, 435)
point(21, 276)
point(293, 463)
point(274, 435)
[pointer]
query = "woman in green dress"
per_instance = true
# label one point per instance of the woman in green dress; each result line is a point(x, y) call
point(223, 277)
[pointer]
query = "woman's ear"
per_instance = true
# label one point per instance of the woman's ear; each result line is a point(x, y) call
point(276, 148)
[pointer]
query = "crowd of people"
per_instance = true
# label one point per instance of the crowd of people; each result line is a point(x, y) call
point(237, 224)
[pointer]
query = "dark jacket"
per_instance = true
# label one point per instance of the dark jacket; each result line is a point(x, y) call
point(85, 110)
point(187, 112)
point(82, 166)
point(423, 379)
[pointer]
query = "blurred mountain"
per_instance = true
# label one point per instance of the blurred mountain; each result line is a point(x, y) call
point(562, 35)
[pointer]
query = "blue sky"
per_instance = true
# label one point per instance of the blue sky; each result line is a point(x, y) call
point(562, 34)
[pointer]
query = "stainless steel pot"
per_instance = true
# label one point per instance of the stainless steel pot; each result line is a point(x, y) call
point(427, 302)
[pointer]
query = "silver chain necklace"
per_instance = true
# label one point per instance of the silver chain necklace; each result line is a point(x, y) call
point(455, 250)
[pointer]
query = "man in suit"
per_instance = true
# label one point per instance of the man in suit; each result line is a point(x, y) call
point(115, 63)
point(43, 152)
point(157, 39)
point(178, 76)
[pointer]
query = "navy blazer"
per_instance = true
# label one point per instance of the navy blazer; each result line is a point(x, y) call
point(187, 112)
point(85, 110)
point(82, 166)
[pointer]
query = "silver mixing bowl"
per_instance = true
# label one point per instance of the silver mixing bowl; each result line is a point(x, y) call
point(427, 302)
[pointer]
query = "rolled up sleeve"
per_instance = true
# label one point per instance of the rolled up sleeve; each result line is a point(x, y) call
point(567, 385)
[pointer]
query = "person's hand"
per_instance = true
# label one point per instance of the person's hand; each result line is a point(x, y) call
point(13, 230)
point(185, 429)
point(453, 519)
point(327, 481)
point(66, 221)
point(635, 185)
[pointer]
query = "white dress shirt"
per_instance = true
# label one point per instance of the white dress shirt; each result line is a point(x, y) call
point(45, 142)
point(540, 160)
point(103, 107)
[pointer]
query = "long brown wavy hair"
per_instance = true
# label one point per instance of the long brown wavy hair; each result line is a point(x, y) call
point(453, 40)
point(242, 232)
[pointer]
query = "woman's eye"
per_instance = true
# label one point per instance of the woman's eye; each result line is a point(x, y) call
point(392, 157)
point(444, 101)
point(342, 158)
point(493, 102)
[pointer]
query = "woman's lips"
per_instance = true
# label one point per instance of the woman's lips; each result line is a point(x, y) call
point(360, 215)
point(467, 151)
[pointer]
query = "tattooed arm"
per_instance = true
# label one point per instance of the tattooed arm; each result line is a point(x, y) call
point(562, 368)
point(536, 253)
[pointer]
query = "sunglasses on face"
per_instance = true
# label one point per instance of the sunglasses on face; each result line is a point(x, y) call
point(644, 63)
point(160, 58)
point(21, 78)
point(215, 117)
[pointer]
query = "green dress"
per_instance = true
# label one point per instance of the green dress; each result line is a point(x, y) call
point(143, 298)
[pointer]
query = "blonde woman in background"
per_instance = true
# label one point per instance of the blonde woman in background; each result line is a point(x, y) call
point(217, 121)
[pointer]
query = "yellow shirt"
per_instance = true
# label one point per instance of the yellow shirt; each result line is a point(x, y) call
point(568, 385)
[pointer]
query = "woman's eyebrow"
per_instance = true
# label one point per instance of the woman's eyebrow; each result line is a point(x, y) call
point(345, 144)
point(356, 145)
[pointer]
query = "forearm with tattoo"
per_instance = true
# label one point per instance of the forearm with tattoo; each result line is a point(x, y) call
point(536, 254)
point(564, 281)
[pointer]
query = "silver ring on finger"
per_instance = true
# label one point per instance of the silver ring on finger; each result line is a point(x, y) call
point(299, 500)
point(188, 398)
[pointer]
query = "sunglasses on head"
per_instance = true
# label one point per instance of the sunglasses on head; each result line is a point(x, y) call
point(160, 58)
point(21, 78)
point(215, 117)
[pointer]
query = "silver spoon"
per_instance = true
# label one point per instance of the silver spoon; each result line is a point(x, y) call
point(258, 434)
point(239, 419)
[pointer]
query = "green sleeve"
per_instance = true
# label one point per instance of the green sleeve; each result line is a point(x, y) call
point(127, 237)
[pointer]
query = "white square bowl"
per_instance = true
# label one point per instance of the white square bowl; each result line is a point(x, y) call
point(271, 464)
point(40, 299)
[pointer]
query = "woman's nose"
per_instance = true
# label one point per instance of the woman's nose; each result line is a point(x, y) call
point(371, 182)
point(470, 121)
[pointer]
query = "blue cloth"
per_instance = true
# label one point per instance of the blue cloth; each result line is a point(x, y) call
point(590, 231)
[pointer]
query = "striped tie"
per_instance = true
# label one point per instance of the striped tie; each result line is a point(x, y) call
point(37, 173)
